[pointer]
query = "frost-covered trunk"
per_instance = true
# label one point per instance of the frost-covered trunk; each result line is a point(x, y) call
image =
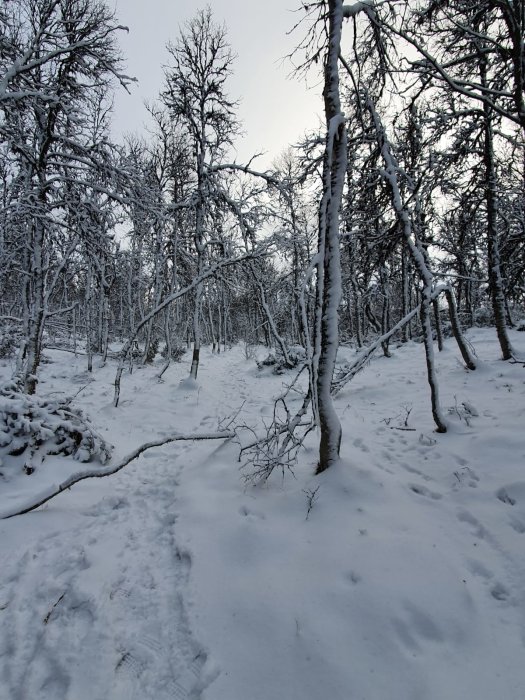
point(456, 329)
point(385, 310)
point(437, 322)
point(494, 264)
point(297, 331)
point(425, 312)
point(130, 299)
point(38, 289)
point(89, 312)
point(358, 309)
point(37, 310)
point(157, 295)
point(105, 327)
point(200, 248)
point(224, 319)
point(212, 326)
point(74, 329)
point(329, 264)
point(405, 299)
point(219, 324)
point(197, 324)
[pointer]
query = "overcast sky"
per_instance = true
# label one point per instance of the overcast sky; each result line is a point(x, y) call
point(275, 110)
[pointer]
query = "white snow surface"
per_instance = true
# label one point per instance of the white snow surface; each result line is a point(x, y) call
point(174, 579)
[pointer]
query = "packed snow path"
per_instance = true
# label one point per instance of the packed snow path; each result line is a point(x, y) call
point(93, 587)
point(174, 580)
point(98, 610)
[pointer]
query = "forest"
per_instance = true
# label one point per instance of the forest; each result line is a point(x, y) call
point(276, 349)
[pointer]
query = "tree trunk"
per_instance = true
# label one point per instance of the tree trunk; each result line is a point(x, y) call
point(494, 266)
point(329, 264)
point(439, 328)
point(36, 308)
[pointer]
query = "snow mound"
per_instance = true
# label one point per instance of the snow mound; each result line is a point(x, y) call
point(189, 384)
point(33, 427)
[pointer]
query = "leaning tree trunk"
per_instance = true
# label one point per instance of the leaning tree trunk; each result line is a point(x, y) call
point(468, 357)
point(418, 257)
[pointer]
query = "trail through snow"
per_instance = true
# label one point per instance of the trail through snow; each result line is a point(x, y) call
point(103, 600)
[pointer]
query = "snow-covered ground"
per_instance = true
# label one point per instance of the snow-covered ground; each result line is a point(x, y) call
point(175, 580)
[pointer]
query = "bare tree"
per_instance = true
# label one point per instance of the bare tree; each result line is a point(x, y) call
point(58, 59)
point(196, 97)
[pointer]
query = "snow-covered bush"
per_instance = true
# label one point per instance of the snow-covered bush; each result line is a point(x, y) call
point(483, 317)
point(296, 357)
point(520, 325)
point(152, 351)
point(177, 352)
point(32, 427)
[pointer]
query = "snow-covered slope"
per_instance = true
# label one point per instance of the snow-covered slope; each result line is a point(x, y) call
point(174, 579)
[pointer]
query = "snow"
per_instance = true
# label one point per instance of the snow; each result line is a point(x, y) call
point(176, 579)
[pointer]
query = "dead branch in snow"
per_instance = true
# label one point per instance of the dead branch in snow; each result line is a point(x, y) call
point(108, 471)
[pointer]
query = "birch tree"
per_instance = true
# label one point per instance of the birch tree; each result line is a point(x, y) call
point(196, 97)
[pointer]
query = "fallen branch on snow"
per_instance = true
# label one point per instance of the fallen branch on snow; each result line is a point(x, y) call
point(55, 490)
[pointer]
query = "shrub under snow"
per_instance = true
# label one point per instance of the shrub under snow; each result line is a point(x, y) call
point(276, 359)
point(32, 427)
point(9, 341)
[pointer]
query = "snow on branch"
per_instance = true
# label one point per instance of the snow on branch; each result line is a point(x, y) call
point(348, 371)
point(366, 6)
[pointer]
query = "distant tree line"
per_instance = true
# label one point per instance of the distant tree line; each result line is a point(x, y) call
point(403, 219)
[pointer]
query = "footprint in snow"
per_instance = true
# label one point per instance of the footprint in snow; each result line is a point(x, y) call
point(517, 525)
point(426, 440)
point(183, 557)
point(421, 490)
point(353, 577)
point(413, 470)
point(499, 592)
point(514, 495)
point(478, 529)
point(415, 628)
point(251, 514)
point(477, 568)
point(465, 475)
point(358, 442)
